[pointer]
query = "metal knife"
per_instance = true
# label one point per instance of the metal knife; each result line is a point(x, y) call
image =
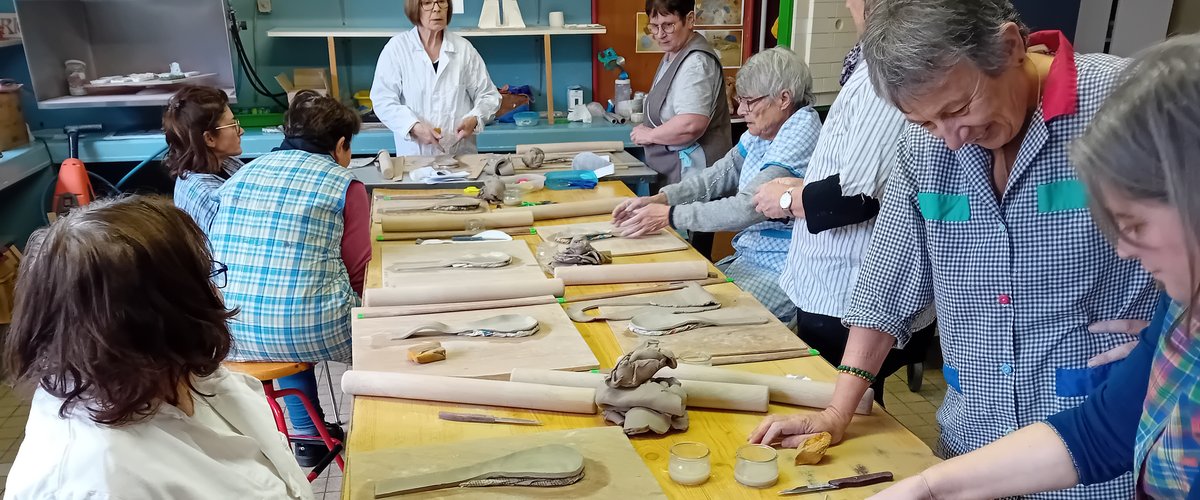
point(484, 419)
point(845, 482)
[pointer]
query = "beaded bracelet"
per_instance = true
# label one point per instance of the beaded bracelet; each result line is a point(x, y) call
point(857, 372)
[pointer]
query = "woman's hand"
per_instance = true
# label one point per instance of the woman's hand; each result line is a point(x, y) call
point(423, 133)
point(467, 127)
point(766, 200)
point(645, 220)
point(911, 488)
point(628, 207)
point(791, 430)
point(1131, 327)
point(641, 135)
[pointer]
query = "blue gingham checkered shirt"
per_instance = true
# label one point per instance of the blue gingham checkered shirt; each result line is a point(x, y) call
point(1016, 281)
point(196, 194)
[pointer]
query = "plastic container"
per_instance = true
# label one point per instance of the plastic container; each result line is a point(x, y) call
point(527, 118)
point(76, 73)
point(624, 91)
point(363, 98)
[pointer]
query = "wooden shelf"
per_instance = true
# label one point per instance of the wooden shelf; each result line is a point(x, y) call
point(350, 32)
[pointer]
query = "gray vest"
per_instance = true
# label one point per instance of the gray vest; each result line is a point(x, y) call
point(716, 140)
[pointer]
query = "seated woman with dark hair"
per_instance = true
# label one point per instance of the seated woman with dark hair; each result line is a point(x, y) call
point(121, 330)
point(204, 141)
point(294, 229)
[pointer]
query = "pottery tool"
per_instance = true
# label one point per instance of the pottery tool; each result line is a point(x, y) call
point(700, 394)
point(484, 419)
point(391, 312)
point(484, 260)
point(659, 322)
point(543, 466)
point(417, 235)
point(613, 469)
point(692, 297)
point(454, 222)
point(461, 292)
point(605, 239)
point(640, 291)
point(469, 391)
point(632, 273)
point(845, 482)
point(504, 326)
point(568, 209)
point(808, 393)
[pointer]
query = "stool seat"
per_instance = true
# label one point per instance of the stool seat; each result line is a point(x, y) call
point(266, 371)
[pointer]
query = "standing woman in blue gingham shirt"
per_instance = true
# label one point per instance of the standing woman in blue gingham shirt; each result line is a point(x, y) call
point(204, 142)
point(984, 216)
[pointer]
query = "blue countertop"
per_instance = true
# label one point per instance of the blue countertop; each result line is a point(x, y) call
point(134, 147)
point(20, 163)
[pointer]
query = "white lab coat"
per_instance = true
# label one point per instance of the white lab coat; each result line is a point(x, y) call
point(407, 90)
point(229, 448)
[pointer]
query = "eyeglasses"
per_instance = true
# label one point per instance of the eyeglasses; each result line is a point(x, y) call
point(665, 28)
point(749, 102)
point(235, 123)
point(427, 5)
point(218, 274)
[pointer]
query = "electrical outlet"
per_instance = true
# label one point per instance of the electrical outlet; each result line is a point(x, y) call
point(264, 6)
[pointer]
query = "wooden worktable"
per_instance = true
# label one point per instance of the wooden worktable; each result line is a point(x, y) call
point(875, 443)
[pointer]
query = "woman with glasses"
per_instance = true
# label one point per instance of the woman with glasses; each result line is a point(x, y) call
point(687, 119)
point(119, 334)
point(293, 228)
point(203, 141)
point(782, 130)
point(431, 87)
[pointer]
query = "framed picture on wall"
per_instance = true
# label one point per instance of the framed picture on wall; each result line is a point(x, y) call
point(727, 43)
point(719, 13)
point(644, 42)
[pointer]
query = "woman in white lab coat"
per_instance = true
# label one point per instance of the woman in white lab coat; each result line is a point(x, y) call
point(431, 87)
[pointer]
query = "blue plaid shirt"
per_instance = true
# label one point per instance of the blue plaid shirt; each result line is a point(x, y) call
point(1016, 281)
point(196, 194)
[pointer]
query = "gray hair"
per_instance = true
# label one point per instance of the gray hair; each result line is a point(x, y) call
point(910, 45)
point(773, 71)
point(1142, 142)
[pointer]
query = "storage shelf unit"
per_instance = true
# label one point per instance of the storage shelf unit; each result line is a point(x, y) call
point(332, 33)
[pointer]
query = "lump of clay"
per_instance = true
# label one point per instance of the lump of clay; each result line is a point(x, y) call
point(580, 252)
point(534, 158)
point(813, 449)
point(428, 352)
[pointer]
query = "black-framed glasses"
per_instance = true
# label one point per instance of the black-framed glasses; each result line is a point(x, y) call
point(235, 123)
point(427, 5)
point(749, 102)
point(218, 274)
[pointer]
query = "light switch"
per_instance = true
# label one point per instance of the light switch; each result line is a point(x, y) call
point(264, 6)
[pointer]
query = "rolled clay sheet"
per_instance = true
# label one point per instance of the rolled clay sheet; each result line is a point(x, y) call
point(632, 273)
point(469, 391)
point(700, 394)
point(441, 293)
point(574, 147)
point(567, 210)
point(386, 168)
point(450, 222)
point(783, 390)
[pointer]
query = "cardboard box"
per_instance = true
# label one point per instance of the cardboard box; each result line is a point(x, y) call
point(304, 79)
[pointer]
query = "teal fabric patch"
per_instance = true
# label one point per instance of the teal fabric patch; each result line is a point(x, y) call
point(944, 207)
point(1060, 196)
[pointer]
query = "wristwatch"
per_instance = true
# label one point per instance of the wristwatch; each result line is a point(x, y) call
point(785, 200)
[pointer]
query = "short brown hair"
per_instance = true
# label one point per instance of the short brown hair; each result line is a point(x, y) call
point(680, 8)
point(412, 9)
point(189, 114)
point(320, 120)
point(115, 309)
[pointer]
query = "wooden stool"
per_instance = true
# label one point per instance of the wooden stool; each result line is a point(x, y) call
point(266, 372)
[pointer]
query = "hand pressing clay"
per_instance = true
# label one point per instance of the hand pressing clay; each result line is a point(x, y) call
point(813, 449)
point(691, 296)
point(655, 324)
point(427, 353)
point(505, 325)
point(486, 260)
point(545, 466)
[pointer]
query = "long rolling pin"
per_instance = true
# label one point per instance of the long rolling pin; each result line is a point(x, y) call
point(783, 390)
point(700, 394)
point(393, 311)
point(469, 391)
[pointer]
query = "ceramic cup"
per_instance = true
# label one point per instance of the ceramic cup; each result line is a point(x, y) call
point(556, 19)
point(756, 466)
point(689, 463)
point(637, 118)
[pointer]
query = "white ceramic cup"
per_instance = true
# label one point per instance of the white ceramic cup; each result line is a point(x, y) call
point(556, 19)
point(638, 118)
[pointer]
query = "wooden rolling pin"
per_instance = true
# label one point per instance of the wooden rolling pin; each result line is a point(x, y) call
point(783, 390)
point(632, 273)
point(700, 394)
point(469, 391)
point(440, 293)
point(454, 222)
point(394, 311)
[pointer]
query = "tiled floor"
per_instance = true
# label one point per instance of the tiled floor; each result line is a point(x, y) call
point(914, 410)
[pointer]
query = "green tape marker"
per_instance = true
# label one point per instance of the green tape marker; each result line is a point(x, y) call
point(379, 238)
point(814, 352)
point(562, 300)
point(595, 370)
point(532, 231)
point(360, 316)
point(730, 280)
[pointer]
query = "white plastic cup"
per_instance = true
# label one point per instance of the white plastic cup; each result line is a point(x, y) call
point(556, 19)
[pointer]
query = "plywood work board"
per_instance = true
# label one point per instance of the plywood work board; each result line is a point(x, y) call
point(664, 240)
point(410, 163)
point(726, 344)
point(612, 469)
point(556, 346)
point(523, 265)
